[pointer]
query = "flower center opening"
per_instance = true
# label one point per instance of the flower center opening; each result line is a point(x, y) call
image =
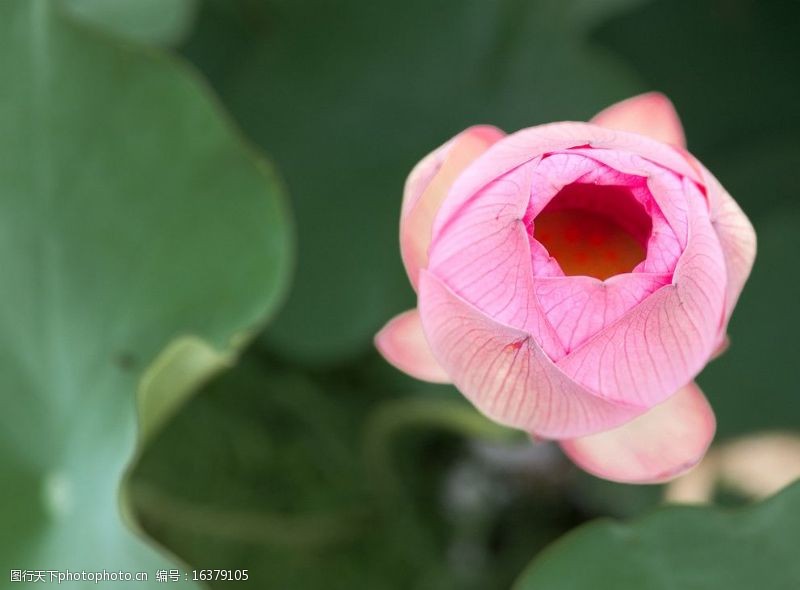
point(594, 230)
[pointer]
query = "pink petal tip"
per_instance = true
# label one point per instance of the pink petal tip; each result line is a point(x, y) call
point(402, 342)
point(651, 114)
point(658, 446)
point(427, 188)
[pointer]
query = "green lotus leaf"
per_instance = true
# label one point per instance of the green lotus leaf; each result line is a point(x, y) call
point(132, 214)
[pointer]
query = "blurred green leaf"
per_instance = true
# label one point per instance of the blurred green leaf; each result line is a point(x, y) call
point(157, 22)
point(174, 376)
point(597, 496)
point(348, 96)
point(330, 482)
point(131, 214)
point(690, 548)
point(262, 471)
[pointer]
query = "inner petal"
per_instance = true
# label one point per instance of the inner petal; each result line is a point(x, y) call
point(594, 230)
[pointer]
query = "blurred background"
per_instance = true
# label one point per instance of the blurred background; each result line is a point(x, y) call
point(312, 462)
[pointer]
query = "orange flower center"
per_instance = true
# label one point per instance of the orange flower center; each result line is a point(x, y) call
point(591, 230)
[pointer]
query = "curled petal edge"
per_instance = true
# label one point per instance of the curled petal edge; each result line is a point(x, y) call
point(736, 236)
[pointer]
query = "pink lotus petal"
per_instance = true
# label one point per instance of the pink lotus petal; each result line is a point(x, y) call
point(484, 256)
point(668, 338)
point(427, 187)
point(650, 114)
point(736, 235)
point(722, 347)
point(506, 374)
point(578, 306)
point(422, 174)
point(655, 447)
point(402, 342)
point(542, 263)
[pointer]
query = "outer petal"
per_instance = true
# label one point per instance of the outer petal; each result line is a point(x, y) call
point(422, 174)
point(402, 342)
point(427, 186)
point(484, 257)
point(667, 339)
point(722, 347)
point(736, 235)
point(506, 374)
point(657, 446)
point(650, 114)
